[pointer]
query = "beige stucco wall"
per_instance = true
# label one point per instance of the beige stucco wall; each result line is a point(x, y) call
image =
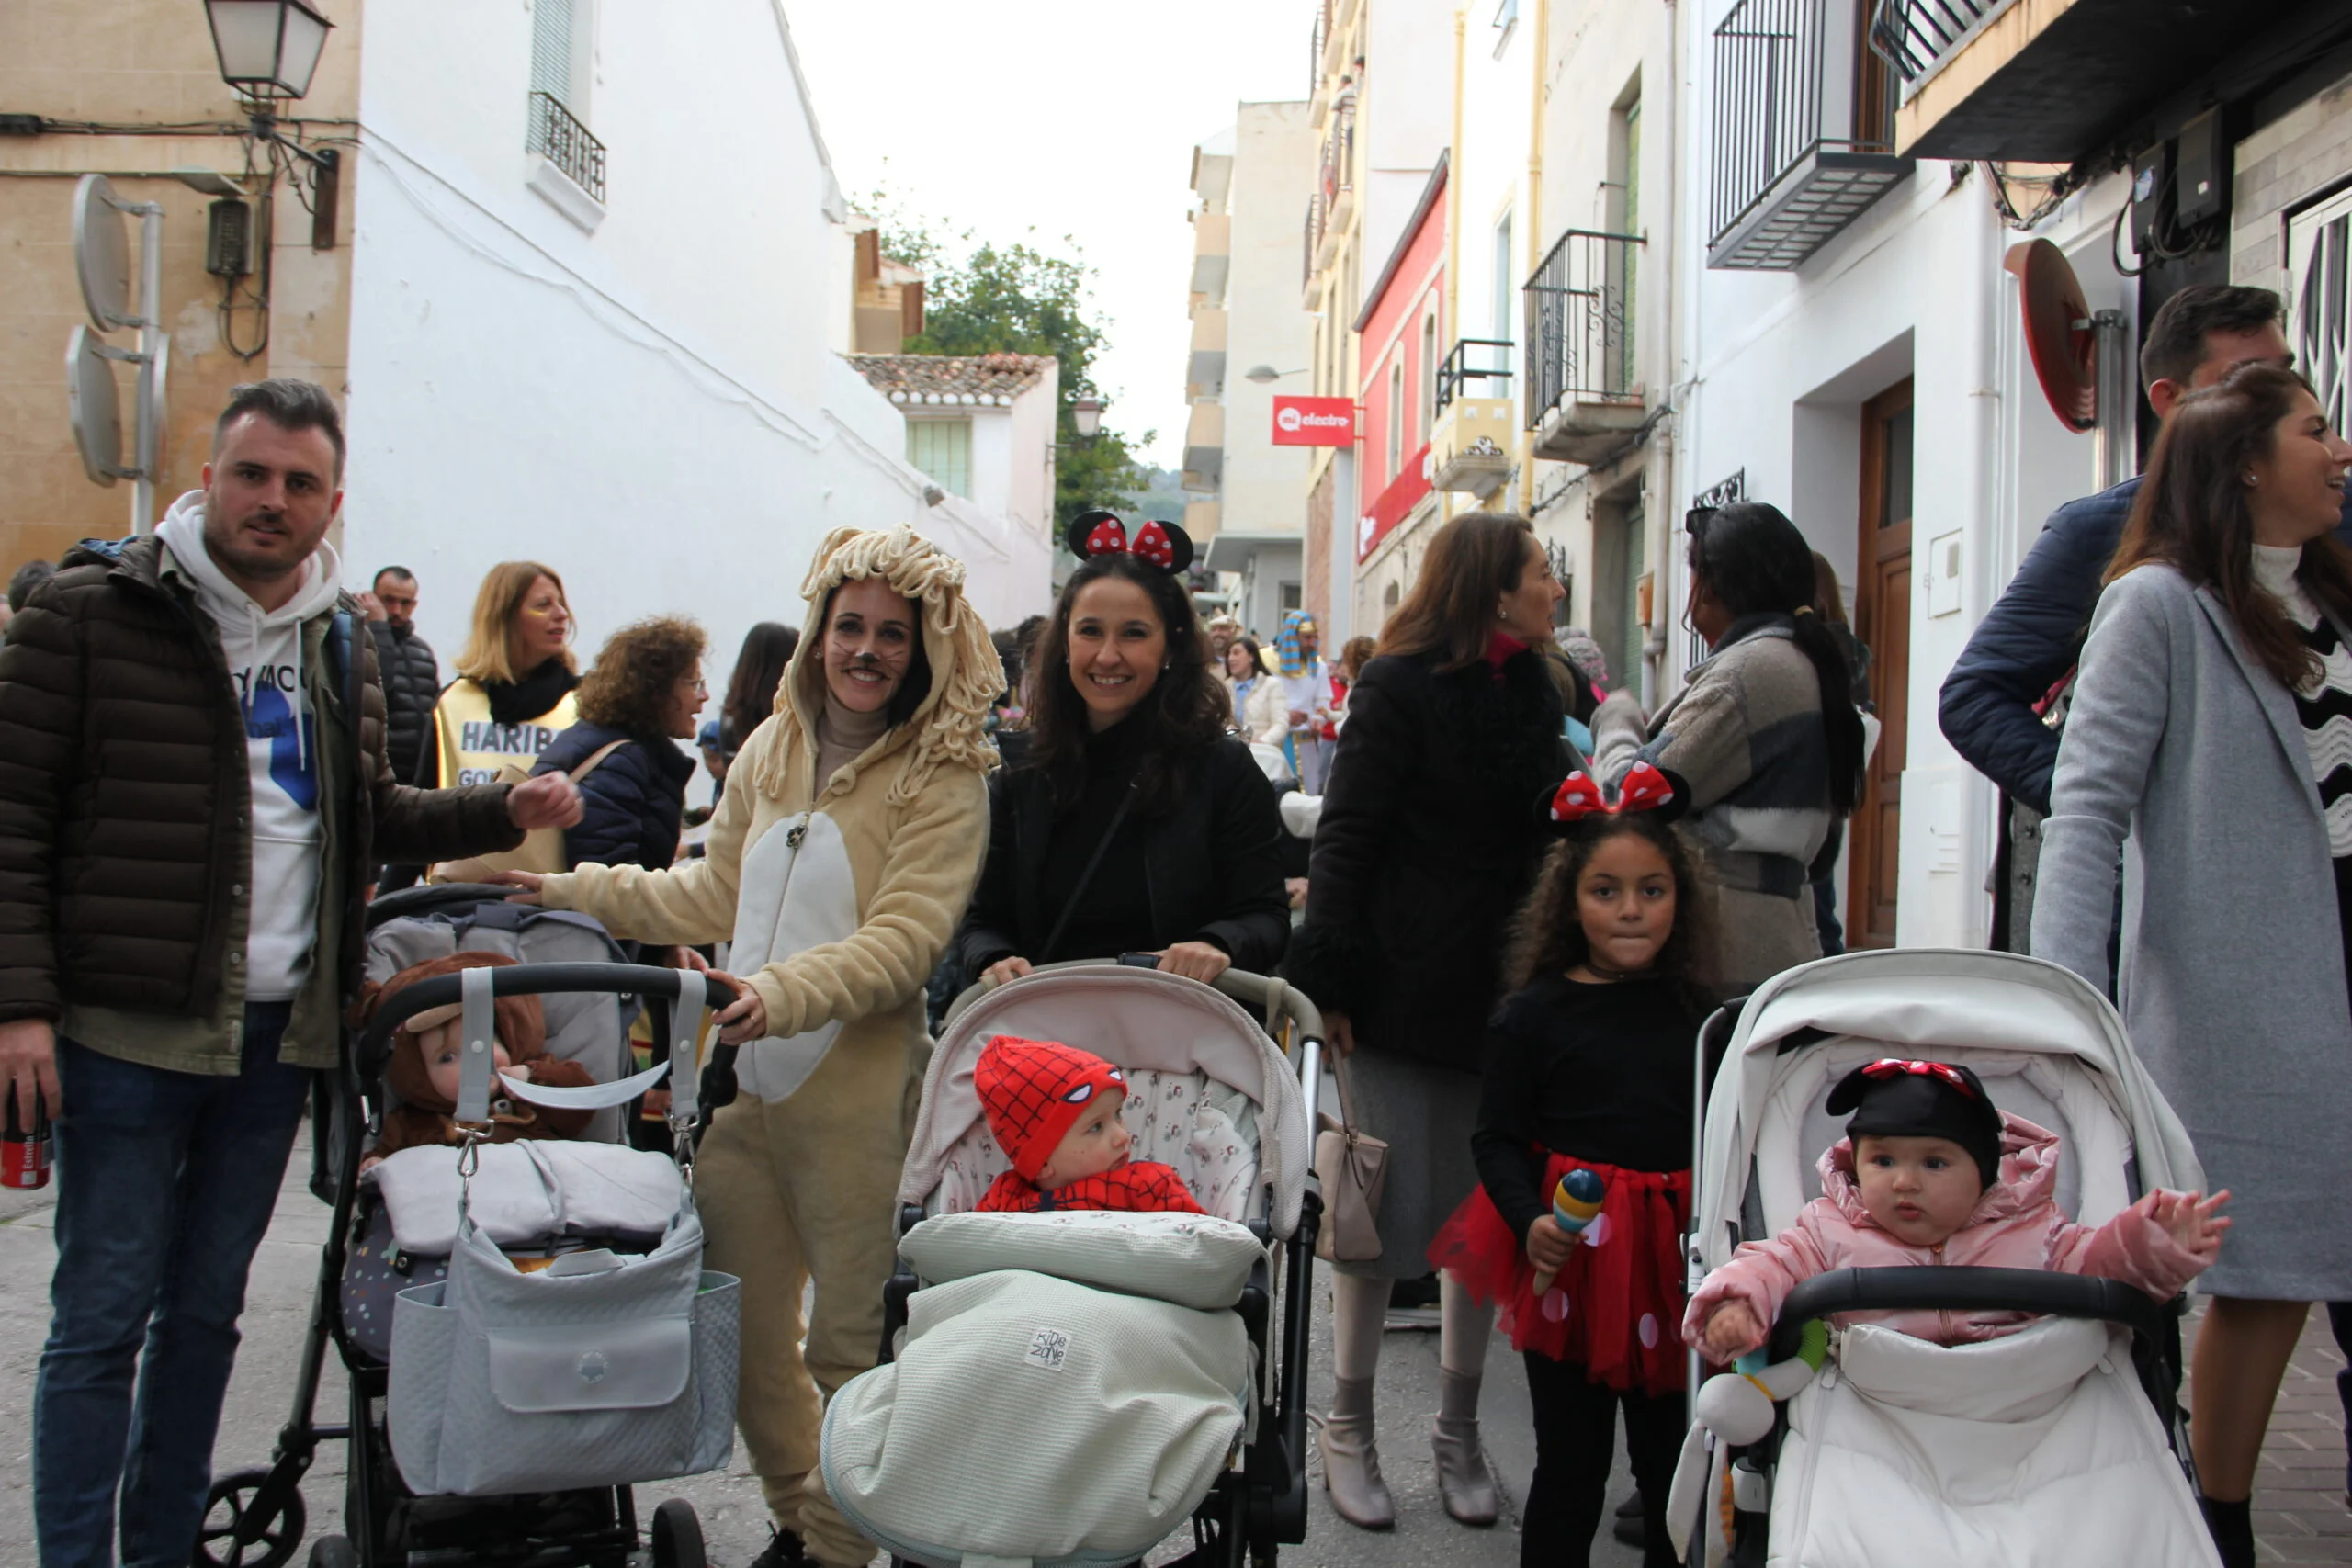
point(141, 63)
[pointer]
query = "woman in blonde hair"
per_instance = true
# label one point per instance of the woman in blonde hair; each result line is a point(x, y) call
point(839, 864)
point(516, 675)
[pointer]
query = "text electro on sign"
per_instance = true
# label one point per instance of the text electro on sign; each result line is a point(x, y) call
point(1315, 421)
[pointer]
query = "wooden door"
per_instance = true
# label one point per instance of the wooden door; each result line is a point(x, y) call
point(1883, 620)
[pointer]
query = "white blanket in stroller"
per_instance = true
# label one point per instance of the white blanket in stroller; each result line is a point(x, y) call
point(2035, 1448)
point(533, 1190)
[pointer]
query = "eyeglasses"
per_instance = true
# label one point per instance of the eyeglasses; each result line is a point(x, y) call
point(1695, 520)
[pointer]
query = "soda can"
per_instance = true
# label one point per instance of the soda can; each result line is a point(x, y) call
point(24, 1151)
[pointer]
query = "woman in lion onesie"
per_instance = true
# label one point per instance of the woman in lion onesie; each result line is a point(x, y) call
point(837, 864)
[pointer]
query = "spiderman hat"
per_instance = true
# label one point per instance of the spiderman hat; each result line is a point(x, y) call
point(1899, 1097)
point(1035, 1091)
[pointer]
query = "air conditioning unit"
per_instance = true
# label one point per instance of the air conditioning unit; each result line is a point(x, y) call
point(229, 239)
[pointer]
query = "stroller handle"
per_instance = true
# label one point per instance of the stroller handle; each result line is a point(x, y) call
point(526, 981)
point(1257, 990)
point(1964, 1289)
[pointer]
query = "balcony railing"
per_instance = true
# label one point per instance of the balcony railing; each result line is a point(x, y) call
point(1783, 183)
point(1322, 30)
point(1579, 321)
point(566, 144)
point(1492, 364)
point(1339, 156)
point(1916, 37)
point(1313, 237)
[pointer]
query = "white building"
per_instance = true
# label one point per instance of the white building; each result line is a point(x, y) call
point(1248, 514)
point(1851, 346)
point(593, 328)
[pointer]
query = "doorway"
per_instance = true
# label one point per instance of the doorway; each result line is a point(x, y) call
point(1882, 621)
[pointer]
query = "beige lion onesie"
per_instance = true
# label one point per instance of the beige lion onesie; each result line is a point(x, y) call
point(839, 896)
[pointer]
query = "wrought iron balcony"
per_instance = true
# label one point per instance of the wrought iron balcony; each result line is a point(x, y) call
point(1784, 184)
point(1583, 399)
point(2057, 83)
point(1493, 358)
point(565, 143)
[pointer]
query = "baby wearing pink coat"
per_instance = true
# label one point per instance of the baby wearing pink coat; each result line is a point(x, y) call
point(2016, 1225)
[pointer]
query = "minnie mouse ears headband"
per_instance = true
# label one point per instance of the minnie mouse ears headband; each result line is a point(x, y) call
point(1647, 789)
point(1163, 545)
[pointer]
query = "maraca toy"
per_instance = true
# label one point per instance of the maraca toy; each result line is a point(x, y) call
point(1576, 1202)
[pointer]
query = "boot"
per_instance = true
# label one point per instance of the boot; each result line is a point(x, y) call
point(1462, 1478)
point(1351, 1461)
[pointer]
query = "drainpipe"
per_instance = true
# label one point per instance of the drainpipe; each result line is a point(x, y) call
point(1979, 498)
point(1447, 323)
point(1659, 511)
point(1539, 50)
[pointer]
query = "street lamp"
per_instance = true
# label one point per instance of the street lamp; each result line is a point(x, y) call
point(268, 49)
point(1265, 373)
point(1086, 418)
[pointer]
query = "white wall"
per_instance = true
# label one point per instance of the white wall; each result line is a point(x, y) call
point(653, 408)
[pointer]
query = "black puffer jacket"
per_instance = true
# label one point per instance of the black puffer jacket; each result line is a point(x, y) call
point(630, 805)
point(126, 802)
point(412, 687)
point(1427, 842)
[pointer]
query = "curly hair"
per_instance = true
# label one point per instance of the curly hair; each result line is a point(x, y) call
point(637, 674)
point(1547, 935)
point(1185, 710)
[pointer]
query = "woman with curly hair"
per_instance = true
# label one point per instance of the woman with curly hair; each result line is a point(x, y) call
point(1133, 822)
point(838, 865)
point(636, 704)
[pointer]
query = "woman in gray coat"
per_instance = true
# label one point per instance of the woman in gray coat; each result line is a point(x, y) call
point(2208, 755)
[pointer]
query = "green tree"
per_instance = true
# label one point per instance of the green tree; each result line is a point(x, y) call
point(1017, 299)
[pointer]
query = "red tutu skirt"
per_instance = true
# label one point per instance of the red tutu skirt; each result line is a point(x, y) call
point(1616, 1308)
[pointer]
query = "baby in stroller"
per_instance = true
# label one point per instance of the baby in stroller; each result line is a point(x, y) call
point(424, 1068)
point(1054, 1111)
point(1931, 1172)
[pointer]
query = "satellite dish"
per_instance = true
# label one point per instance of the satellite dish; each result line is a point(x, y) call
point(94, 406)
point(102, 253)
point(2059, 332)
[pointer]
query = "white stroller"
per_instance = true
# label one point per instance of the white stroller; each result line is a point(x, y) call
point(2061, 1444)
point(1071, 1387)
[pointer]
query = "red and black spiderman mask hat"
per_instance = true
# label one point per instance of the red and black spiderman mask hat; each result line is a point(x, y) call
point(1897, 1097)
point(1035, 1091)
point(1163, 545)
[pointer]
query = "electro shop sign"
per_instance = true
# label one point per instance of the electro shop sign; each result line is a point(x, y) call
point(1315, 421)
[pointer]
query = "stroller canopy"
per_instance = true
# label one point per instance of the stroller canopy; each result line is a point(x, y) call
point(2049, 1047)
point(1145, 1021)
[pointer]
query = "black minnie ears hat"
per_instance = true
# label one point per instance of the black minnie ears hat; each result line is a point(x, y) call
point(1898, 1096)
point(1649, 790)
point(1163, 545)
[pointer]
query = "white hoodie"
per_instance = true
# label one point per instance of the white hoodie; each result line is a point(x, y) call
point(265, 654)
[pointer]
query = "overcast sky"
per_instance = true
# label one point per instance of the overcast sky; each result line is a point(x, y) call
point(1068, 117)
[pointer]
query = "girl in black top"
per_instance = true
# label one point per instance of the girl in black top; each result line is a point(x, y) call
point(1589, 1066)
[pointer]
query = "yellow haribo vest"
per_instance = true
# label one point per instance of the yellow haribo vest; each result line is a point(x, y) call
point(474, 746)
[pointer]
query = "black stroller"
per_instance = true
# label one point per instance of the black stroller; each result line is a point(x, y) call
point(255, 1518)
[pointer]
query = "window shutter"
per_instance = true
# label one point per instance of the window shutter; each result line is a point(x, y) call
point(552, 48)
point(942, 448)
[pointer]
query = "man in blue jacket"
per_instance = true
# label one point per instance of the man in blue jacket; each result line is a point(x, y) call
point(2033, 633)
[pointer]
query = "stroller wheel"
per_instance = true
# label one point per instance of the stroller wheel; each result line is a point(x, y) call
point(334, 1552)
point(249, 1522)
point(677, 1536)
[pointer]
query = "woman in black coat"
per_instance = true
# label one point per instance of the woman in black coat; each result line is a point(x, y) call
point(1133, 823)
point(639, 701)
point(1427, 843)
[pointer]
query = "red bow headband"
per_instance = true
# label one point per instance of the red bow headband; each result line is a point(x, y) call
point(1163, 544)
point(1895, 1067)
point(1646, 788)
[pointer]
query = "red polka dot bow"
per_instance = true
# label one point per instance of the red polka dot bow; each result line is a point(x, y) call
point(1896, 1067)
point(1646, 788)
point(1164, 545)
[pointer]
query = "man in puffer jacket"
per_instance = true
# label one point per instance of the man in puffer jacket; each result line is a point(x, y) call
point(193, 788)
point(411, 673)
point(1994, 700)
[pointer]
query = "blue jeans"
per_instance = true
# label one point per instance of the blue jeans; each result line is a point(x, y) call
point(164, 1186)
